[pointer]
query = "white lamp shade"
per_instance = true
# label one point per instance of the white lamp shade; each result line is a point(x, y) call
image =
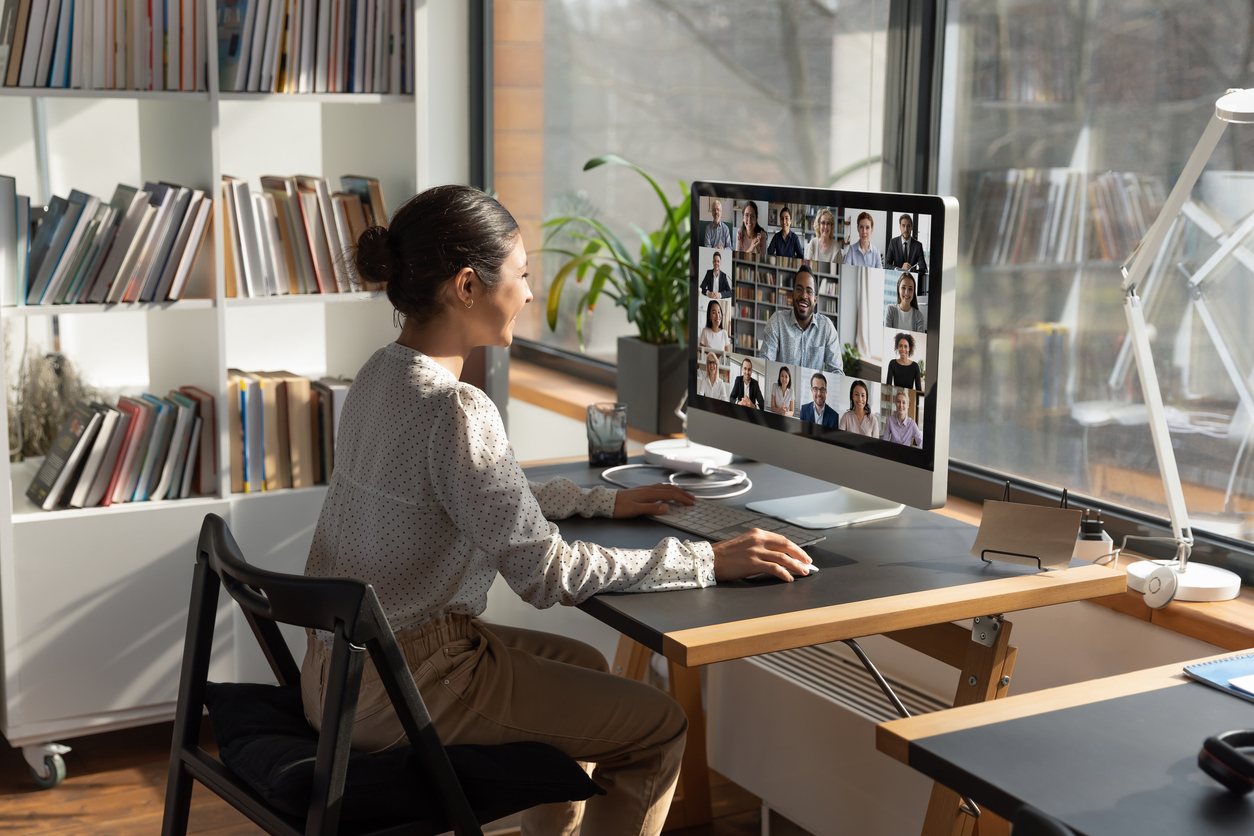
point(1236, 106)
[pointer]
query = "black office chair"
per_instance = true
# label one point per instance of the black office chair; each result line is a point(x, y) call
point(291, 780)
point(1030, 821)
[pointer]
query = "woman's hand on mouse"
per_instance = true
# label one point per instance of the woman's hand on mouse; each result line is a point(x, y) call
point(758, 552)
point(650, 499)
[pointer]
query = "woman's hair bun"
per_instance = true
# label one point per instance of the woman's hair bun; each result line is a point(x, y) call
point(375, 257)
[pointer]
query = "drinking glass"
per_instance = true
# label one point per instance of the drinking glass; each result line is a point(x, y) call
point(607, 434)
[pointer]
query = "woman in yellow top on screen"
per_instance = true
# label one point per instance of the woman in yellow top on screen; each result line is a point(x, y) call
point(750, 238)
point(824, 246)
point(862, 253)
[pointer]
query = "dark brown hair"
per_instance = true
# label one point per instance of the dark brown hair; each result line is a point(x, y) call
point(435, 235)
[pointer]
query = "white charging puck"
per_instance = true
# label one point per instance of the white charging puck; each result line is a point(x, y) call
point(1160, 587)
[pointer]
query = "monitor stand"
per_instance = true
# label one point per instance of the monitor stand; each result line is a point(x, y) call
point(831, 509)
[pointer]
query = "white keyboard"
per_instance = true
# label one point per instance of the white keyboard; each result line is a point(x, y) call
point(712, 521)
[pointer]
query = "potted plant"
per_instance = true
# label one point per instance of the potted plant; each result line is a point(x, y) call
point(650, 282)
point(851, 361)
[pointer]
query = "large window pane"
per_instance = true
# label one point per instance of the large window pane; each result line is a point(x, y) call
point(1067, 124)
point(772, 91)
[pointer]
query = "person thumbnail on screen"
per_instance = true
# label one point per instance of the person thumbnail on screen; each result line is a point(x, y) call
point(716, 233)
point(782, 399)
point(818, 410)
point(824, 246)
point(863, 252)
point(905, 314)
point(784, 243)
point(714, 333)
point(900, 427)
point(715, 283)
point(901, 369)
point(747, 388)
point(860, 417)
point(713, 377)
point(905, 251)
point(798, 335)
point(750, 234)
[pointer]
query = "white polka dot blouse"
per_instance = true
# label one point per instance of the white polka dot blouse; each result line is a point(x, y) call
point(428, 504)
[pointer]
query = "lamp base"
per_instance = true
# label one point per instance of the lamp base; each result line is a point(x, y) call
point(1198, 582)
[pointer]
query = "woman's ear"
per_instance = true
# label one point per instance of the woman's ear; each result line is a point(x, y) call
point(463, 287)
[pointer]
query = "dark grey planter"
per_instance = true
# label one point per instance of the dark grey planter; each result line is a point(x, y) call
point(651, 381)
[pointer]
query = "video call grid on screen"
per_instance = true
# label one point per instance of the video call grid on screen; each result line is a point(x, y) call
point(869, 257)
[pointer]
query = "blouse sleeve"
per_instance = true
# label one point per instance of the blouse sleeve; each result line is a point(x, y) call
point(485, 492)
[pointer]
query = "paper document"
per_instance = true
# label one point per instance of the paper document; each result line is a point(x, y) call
point(1016, 533)
point(1243, 683)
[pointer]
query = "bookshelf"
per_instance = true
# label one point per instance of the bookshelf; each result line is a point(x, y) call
point(93, 601)
point(760, 289)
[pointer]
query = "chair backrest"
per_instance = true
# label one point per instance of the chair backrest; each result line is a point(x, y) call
point(344, 607)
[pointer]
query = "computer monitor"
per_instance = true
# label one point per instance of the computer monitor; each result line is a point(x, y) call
point(821, 341)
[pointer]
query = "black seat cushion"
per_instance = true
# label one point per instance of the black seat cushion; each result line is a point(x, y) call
point(264, 739)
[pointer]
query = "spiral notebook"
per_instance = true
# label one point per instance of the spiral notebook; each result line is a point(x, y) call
point(1234, 675)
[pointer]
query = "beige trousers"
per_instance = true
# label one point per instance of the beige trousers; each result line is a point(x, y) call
point(493, 684)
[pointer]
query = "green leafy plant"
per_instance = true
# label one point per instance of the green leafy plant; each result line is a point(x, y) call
point(851, 359)
point(651, 284)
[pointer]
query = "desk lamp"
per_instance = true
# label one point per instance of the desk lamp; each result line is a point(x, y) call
point(1192, 581)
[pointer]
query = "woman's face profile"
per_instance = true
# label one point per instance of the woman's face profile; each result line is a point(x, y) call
point(499, 308)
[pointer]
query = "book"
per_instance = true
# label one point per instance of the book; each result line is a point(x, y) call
point(96, 494)
point(191, 250)
point(161, 290)
point(296, 253)
point(71, 256)
point(317, 462)
point(67, 448)
point(185, 489)
point(1221, 673)
point(46, 221)
point(54, 259)
point(254, 284)
point(180, 201)
point(165, 200)
point(315, 230)
point(368, 189)
point(257, 44)
point(318, 187)
point(337, 389)
point(232, 17)
point(300, 436)
point(11, 16)
point(46, 45)
point(22, 73)
point(82, 23)
point(93, 253)
point(23, 245)
point(8, 229)
point(252, 431)
point(271, 257)
point(116, 489)
point(277, 456)
point(158, 442)
point(96, 457)
point(233, 260)
point(206, 469)
point(121, 281)
point(235, 429)
point(133, 208)
point(174, 448)
point(340, 205)
point(59, 72)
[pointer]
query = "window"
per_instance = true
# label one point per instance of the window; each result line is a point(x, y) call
point(771, 91)
point(1065, 125)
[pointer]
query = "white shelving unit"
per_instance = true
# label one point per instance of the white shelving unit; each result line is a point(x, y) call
point(93, 602)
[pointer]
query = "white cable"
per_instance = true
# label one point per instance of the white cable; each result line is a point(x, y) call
point(731, 478)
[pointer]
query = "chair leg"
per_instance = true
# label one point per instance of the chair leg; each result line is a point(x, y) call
point(178, 800)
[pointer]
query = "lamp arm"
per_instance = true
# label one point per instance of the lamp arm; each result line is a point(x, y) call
point(1148, 248)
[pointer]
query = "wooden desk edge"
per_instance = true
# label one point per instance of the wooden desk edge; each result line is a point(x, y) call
point(718, 643)
point(894, 737)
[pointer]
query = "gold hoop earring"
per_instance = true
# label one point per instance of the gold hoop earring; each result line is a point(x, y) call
point(470, 304)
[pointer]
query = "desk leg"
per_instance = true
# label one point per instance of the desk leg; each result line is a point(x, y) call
point(691, 804)
point(986, 667)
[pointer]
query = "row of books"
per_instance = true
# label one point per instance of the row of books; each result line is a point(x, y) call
point(1023, 54)
point(140, 246)
point(315, 46)
point(1038, 216)
point(143, 449)
point(103, 44)
point(282, 429)
point(296, 235)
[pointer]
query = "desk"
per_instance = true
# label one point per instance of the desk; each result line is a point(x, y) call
point(1082, 753)
point(907, 577)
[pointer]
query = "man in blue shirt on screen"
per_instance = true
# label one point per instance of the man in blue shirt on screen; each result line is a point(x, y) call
point(817, 411)
point(800, 337)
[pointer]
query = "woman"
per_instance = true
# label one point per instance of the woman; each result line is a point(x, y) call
point(714, 335)
point(750, 238)
point(905, 314)
point(781, 393)
point(745, 391)
point(901, 370)
point(863, 253)
point(823, 246)
point(710, 385)
point(428, 504)
point(859, 419)
point(900, 427)
point(785, 242)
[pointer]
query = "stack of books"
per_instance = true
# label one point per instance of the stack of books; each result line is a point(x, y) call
point(140, 246)
point(315, 46)
point(142, 449)
point(282, 429)
point(296, 235)
point(103, 44)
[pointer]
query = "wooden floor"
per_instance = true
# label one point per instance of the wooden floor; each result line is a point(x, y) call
point(116, 787)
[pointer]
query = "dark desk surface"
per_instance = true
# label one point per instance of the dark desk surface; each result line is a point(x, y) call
point(909, 571)
point(1111, 757)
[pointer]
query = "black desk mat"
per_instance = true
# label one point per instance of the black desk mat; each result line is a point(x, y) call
point(1122, 767)
point(913, 552)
